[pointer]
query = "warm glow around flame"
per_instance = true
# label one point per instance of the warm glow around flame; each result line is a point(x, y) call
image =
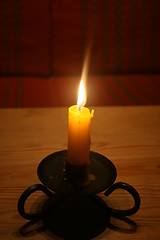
point(81, 95)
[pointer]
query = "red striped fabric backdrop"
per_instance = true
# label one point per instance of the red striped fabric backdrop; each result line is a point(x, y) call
point(49, 37)
point(43, 43)
point(62, 91)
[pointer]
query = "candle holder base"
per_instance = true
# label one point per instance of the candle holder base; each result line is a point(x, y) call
point(71, 204)
point(76, 218)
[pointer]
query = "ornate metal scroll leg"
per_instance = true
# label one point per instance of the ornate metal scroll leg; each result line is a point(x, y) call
point(25, 195)
point(132, 191)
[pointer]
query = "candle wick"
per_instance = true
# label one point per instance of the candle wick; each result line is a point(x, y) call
point(80, 107)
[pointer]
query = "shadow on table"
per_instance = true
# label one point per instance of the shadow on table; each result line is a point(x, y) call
point(76, 218)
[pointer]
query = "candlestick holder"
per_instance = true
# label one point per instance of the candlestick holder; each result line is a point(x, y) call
point(73, 207)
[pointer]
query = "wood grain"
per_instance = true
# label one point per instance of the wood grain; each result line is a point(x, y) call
point(129, 136)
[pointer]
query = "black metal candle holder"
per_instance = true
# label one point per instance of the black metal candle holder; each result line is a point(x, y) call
point(73, 210)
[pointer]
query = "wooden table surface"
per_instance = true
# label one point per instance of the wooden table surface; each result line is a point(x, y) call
point(129, 136)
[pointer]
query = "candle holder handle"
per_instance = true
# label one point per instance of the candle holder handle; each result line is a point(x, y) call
point(24, 197)
point(132, 191)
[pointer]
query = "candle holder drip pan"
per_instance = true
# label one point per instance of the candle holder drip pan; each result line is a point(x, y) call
point(74, 211)
point(52, 173)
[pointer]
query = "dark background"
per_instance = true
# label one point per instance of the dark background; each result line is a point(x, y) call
point(43, 45)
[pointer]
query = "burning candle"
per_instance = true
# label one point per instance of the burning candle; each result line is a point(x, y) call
point(79, 122)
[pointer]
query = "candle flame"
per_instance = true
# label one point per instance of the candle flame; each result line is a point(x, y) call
point(81, 95)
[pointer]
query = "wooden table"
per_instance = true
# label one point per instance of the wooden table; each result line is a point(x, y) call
point(129, 136)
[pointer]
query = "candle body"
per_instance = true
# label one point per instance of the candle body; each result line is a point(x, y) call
point(79, 123)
